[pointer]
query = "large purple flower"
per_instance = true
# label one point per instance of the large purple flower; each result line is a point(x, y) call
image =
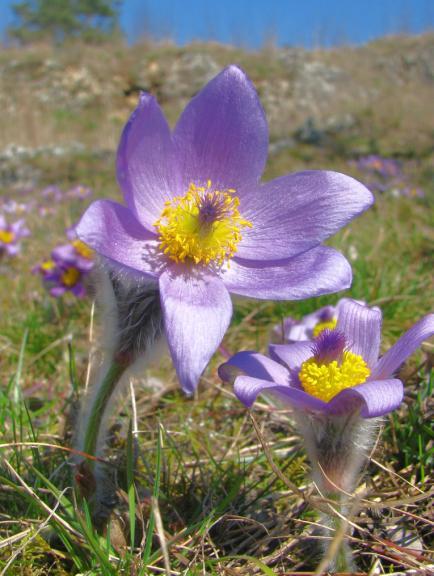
point(338, 372)
point(198, 220)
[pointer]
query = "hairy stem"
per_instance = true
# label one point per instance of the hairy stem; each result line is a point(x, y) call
point(100, 403)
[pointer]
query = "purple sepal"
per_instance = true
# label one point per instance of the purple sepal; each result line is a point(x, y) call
point(404, 347)
point(253, 363)
point(247, 389)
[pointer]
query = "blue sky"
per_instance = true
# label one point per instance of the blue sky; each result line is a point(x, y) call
point(250, 23)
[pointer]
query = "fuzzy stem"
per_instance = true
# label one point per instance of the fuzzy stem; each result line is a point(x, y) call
point(100, 403)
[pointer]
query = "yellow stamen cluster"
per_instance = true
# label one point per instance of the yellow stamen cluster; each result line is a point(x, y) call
point(324, 381)
point(70, 277)
point(321, 326)
point(83, 249)
point(47, 265)
point(6, 236)
point(203, 226)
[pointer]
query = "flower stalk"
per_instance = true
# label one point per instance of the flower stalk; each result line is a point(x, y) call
point(132, 326)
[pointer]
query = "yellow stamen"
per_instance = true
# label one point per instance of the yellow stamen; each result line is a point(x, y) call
point(324, 381)
point(203, 226)
point(83, 249)
point(47, 265)
point(6, 236)
point(70, 277)
point(321, 326)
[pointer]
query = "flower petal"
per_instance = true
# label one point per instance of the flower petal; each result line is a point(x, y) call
point(292, 355)
point(374, 398)
point(146, 167)
point(247, 389)
point(297, 212)
point(253, 364)
point(404, 347)
point(222, 134)
point(362, 328)
point(321, 270)
point(112, 230)
point(197, 311)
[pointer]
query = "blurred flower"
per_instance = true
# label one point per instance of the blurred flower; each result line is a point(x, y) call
point(309, 327)
point(338, 372)
point(10, 236)
point(52, 192)
point(79, 192)
point(383, 167)
point(66, 269)
point(198, 222)
point(63, 278)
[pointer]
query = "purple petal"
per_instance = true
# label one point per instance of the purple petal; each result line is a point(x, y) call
point(374, 398)
point(297, 212)
point(57, 291)
point(291, 355)
point(321, 270)
point(222, 134)
point(79, 290)
point(65, 253)
point(361, 326)
point(253, 364)
point(197, 311)
point(113, 231)
point(247, 389)
point(404, 347)
point(146, 167)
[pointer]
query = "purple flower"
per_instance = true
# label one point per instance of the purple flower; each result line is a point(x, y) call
point(10, 236)
point(198, 221)
point(292, 330)
point(66, 269)
point(52, 192)
point(79, 192)
point(383, 167)
point(339, 372)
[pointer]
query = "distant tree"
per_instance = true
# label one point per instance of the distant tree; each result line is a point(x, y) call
point(60, 19)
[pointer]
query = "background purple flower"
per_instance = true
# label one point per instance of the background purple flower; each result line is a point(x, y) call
point(361, 328)
point(198, 221)
point(308, 327)
point(11, 235)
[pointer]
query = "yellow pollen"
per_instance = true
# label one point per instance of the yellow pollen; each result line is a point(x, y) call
point(324, 381)
point(47, 265)
point(70, 277)
point(203, 226)
point(327, 325)
point(6, 237)
point(83, 249)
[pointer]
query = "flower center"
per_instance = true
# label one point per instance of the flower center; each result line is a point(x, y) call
point(203, 226)
point(324, 381)
point(82, 249)
point(326, 325)
point(6, 236)
point(70, 277)
point(332, 368)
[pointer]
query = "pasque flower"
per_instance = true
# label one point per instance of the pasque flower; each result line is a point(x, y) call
point(339, 372)
point(67, 268)
point(198, 221)
point(337, 386)
point(11, 235)
point(309, 326)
